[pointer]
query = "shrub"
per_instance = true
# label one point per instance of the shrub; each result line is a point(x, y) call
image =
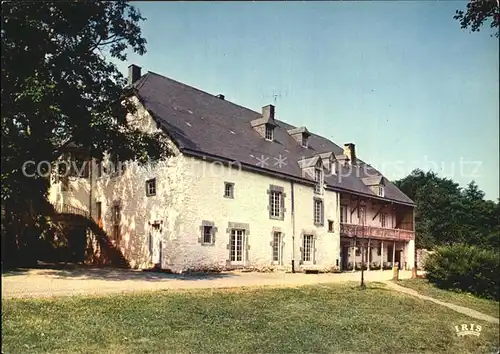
point(465, 268)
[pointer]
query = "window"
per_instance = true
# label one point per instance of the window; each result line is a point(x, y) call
point(228, 190)
point(380, 191)
point(383, 218)
point(362, 215)
point(318, 212)
point(269, 132)
point(207, 234)
point(358, 251)
point(98, 207)
point(116, 221)
point(98, 168)
point(330, 225)
point(307, 248)
point(236, 253)
point(343, 213)
point(277, 251)
point(151, 187)
point(275, 204)
point(318, 177)
point(304, 140)
point(379, 250)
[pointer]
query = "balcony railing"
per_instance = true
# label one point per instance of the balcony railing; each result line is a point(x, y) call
point(69, 209)
point(361, 231)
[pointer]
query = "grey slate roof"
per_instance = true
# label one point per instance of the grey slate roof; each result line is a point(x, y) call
point(203, 125)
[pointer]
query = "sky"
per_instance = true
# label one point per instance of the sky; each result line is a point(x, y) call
point(400, 79)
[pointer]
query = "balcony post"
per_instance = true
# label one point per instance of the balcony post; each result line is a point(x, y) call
point(381, 255)
point(368, 255)
point(393, 253)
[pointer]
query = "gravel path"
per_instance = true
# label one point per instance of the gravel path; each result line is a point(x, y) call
point(463, 310)
point(98, 281)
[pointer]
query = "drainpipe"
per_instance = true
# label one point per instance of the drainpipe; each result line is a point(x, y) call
point(293, 226)
point(90, 187)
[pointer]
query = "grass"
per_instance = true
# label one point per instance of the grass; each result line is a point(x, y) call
point(314, 319)
point(488, 307)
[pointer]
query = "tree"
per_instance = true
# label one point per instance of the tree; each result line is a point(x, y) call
point(447, 214)
point(478, 12)
point(59, 85)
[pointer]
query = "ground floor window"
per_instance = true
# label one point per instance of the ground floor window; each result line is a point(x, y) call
point(237, 238)
point(277, 249)
point(307, 248)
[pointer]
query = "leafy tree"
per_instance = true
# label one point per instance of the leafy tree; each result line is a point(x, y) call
point(59, 85)
point(447, 214)
point(477, 13)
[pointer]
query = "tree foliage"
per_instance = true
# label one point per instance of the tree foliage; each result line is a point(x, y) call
point(447, 214)
point(477, 13)
point(58, 85)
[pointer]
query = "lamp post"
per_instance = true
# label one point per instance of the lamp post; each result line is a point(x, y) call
point(363, 286)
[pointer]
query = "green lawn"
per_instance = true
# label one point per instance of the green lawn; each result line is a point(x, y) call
point(485, 306)
point(313, 319)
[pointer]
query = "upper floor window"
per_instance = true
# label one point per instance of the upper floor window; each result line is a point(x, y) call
point(269, 132)
point(304, 140)
point(343, 213)
point(229, 190)
point(275, 202)
point(318, 212)
point(318, 177)
point(383, 219)
point(207, 234)
point(151, 187)
point(380, 191)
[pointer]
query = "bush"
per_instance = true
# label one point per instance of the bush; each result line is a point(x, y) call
point(465, 268)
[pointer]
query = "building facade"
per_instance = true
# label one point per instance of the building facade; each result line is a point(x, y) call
point(241, 190)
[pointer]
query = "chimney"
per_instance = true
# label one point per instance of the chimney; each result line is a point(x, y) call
point(268, 112)
point(134, 74)
point(350, 152)
point(220, 96)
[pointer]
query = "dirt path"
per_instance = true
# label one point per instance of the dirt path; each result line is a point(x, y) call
point(53, 282)
point(463, 310)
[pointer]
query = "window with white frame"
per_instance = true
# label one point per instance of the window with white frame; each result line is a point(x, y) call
point(269, 132)
point(343, 213)
point(380, 191)
point(236, 245)
point(383, 219)
point(275, 201)
point(228, 190)
point(318, 212)
point(318, 177)
point(151, 187)
point(307, 248)
point(277, 249)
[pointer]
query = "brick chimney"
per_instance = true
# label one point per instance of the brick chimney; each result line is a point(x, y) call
point(350, 152)
point(134, 74)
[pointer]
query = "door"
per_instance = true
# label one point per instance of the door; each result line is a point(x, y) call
point(237, 240)
point(398, 259)
point(345, 257)
point(155, 246)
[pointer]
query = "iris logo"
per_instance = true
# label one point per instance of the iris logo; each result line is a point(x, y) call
point(468, 330)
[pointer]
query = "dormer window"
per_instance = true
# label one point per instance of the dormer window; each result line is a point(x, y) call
point(380, 191)
point(318, 177)
point(269, 132)
point(301, 135)
point(304, 140)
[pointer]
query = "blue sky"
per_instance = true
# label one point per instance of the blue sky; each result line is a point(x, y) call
point(399, 79)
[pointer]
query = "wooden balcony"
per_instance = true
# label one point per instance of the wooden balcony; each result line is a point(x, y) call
point(381, 233)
